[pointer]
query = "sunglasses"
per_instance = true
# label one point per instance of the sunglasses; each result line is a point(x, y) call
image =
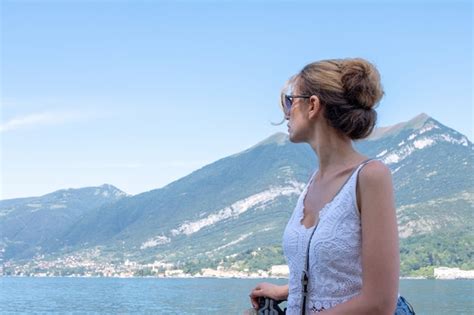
point(287, 101)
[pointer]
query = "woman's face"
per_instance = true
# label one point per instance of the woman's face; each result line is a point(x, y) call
point(297, 122)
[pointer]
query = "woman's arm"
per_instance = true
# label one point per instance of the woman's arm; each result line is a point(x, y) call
point(276, 292)
point(380, 249)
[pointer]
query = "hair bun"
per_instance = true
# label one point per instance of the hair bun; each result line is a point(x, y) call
point(361, 82)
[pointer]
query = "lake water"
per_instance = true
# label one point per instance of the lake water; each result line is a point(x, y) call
point(189, 296)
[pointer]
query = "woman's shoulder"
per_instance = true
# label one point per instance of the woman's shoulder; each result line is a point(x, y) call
point(374, 176)
point(374, 170)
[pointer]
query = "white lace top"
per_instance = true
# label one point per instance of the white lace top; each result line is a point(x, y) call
point(335, 267)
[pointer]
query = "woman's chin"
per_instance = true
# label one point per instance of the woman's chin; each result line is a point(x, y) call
point(290, 136)
point(293, 138)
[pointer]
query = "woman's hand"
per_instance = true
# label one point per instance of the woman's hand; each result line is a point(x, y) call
point(270, 290)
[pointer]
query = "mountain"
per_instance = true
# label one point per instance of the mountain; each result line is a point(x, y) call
point(231, 213)
point(37, 224)
point(428, 160)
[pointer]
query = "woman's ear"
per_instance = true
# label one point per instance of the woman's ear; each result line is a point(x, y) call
point(314, 106)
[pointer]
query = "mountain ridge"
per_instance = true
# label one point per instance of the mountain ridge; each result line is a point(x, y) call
point(216, 215)
point(281, 138)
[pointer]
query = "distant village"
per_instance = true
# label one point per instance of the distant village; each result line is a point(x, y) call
point(72, 266)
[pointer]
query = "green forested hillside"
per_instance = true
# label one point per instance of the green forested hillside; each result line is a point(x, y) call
point(231, 214)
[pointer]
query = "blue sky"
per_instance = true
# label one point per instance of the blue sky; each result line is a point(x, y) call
point(140, 93)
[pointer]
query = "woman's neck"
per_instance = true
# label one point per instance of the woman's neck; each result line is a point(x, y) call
point(335, 153)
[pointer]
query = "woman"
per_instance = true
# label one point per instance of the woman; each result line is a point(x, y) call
point(353, 261)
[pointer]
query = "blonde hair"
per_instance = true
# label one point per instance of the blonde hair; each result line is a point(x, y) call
point(348, 89)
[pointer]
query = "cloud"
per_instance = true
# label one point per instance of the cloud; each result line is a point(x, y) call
point(40, 119)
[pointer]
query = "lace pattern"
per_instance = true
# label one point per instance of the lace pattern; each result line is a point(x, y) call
point(335, 268)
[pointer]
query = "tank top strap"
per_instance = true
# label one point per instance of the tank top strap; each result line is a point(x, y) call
point(361, 165)
point(356, 171)
point(354, 184)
